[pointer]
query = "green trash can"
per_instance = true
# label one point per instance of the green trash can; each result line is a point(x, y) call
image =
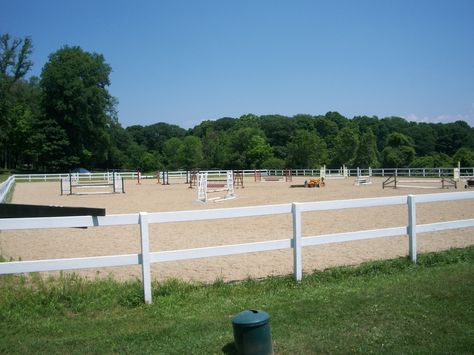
point(252, 333)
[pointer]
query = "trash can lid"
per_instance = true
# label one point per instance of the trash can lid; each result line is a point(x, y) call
point(251, 318)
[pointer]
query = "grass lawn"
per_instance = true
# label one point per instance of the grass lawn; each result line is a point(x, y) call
point(389, 306)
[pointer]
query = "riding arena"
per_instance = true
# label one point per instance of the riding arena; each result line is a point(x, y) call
point(215, 191)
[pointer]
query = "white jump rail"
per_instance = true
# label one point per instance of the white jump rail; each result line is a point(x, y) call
point(296, 242)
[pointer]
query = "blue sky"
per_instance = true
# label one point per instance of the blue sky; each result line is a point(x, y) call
point(183, 62)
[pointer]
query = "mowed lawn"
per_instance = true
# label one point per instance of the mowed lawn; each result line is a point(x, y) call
point(379, 307)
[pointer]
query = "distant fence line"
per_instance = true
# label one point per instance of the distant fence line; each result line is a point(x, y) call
point(181, 174)
point(146, 257)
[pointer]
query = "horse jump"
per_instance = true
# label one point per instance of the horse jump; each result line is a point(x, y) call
point(71, 185)
point(443, 183)
point(343, 173)
point(287, 176)
point(162, 177)
point(205, 188)
point(363, 180)
point(238, 178)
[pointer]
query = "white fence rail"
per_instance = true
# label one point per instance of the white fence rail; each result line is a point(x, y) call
point(182, 174)
point(5, 188)
point(296, 242)
point(82, 176)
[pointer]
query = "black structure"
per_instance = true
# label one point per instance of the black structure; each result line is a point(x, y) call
point(12, 210)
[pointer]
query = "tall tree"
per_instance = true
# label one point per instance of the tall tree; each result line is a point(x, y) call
point(345, 147)
point(53, 141)
point(14, 65)
point(154, 136)
point(215, 149)
point(453, 136)
point(464, 156)
point(74, 84)
point(399, 151)
point(248, 147)
point(258, 151)
point(327, 129)
point(367, 154)
point(171, 149)
point(306, 150)
point(423, 136)
point(190, 153)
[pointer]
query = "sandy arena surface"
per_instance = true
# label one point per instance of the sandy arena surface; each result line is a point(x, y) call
point(151, 197)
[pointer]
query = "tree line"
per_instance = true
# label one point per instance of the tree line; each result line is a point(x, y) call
point(66, 118)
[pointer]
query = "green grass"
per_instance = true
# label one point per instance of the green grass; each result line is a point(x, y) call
point(389, 306)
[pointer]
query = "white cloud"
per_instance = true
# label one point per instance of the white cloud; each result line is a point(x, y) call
point(444, 118)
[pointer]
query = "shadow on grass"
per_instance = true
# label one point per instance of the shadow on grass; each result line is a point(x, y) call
point(229, 349)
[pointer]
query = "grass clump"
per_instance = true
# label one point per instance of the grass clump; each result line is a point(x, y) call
point(385, 306)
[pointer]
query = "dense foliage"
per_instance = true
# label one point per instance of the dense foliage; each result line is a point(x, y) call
point(66, 118)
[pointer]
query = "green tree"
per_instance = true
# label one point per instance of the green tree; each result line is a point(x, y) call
point(424, 138)
point(366, 153)
point(248, 148)
point(434, 160)
point(215, 149)
point(465, 156)
point(153, 137)
point(453, 136)
point(74, 85)
point(14, 65)
point(441, 160)
point(22, 115)
point(249, 120)
point(306, 150)
point(171, 149)
point(399, 151)
point(278, 130)
point(190, 153)
point(273, 163)
point(140, 159)
point(337, 118)
point(52, 139)
point(257, 152)
point(120, 141)
point(345, 146)
point(303, 121)
point(327, 130)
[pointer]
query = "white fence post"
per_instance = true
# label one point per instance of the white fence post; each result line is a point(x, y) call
point(145, 244)
point(297, 266)
point(412, 227)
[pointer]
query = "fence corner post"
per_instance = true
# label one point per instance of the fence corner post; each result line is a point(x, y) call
point(297, 265)
point(145, 254)
point(412, 227)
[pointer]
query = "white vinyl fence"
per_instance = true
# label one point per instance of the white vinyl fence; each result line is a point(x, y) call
point(82, 176)
point(182, 174)
point(5, 188)
point(296, 242)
